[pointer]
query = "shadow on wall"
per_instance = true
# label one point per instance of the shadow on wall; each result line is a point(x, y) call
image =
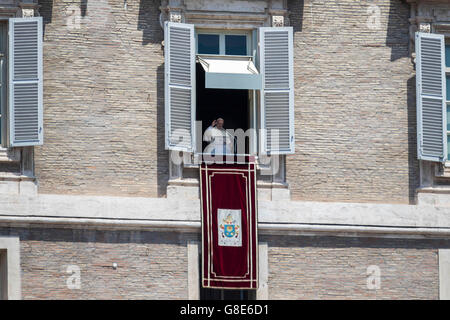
point(46, 11)
point(162, 160)
point(83, 7)
point(296, 8)
point(305, 241)
point(413, 163)
point(100, 236)
point(149, 13)
point(397, 37)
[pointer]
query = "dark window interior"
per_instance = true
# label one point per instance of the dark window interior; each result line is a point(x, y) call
point(208, 43)
point(224, 294)
point(229, 104)
point(236, 45)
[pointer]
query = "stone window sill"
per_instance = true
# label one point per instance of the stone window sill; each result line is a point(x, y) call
point(435, 189)
point(11, 176)
point(9, 155)
point(195, 183)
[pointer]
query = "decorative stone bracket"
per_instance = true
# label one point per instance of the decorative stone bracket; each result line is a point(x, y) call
point(425, 27)
point(277, 21)
point(28, 9)
point(171, 14)
point(176, 16)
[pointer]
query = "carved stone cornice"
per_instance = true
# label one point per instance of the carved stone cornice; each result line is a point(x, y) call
point(15, 8)
point(9, 8)
point(226, 14)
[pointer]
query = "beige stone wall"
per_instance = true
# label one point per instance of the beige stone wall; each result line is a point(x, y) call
point(104, 102)
point(154, 265)
point(150, 265)
point(336, 268)
point(354, 103)
point(103, 98)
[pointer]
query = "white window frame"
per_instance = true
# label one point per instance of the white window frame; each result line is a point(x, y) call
point(253, 105)
point(222, 33)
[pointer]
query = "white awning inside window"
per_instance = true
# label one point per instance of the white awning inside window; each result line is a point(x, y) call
point(242, 65)
point(230, 72)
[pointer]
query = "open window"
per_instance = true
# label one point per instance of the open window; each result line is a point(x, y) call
point(21, 92)
point(244, 77)
point(226, 80)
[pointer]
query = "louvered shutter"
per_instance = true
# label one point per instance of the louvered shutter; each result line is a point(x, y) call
point(431, 97)
point(277, 94)
point(179, 86)
point(25, 82)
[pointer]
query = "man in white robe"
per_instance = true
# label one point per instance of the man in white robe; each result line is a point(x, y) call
point(220, 141)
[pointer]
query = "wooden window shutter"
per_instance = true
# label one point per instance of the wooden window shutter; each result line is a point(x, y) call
point(277, 95)
point(179, 54)
point(431, 97)
point(25, 82)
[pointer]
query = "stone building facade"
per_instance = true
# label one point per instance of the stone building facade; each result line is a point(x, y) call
point(98, 211)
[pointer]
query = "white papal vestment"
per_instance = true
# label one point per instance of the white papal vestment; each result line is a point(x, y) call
point(221, 142)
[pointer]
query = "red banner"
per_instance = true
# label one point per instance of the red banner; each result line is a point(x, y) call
point(229, 226)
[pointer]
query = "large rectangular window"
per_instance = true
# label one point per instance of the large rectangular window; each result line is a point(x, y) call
point(250, 83)
point(220, 92)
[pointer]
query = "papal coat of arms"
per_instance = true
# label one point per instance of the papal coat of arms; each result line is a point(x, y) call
point(229, 227)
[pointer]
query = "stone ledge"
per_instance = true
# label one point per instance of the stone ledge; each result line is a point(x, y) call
point(184, 182)
point(189, 189)
point(269, 212)
point(10, 176)
point(9, 155)
point(9, 11)
point(17, 184)
point(195, 226)
point(440, 189)
point(434, 196)
point(195, 183)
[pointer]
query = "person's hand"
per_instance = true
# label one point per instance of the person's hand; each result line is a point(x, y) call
point(213, 124)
